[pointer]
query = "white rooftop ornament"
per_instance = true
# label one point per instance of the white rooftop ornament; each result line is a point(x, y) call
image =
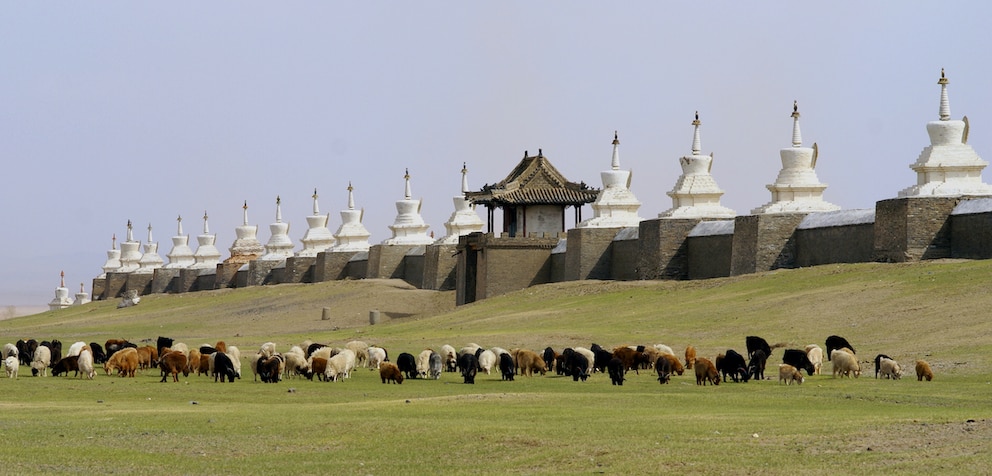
point(615, 206)
point(696, 194)
point(246, 246)
point(464, 220)
point(317, 238)
point(181, 255)
point(409, 227)
point(82, 297)
point(150, 260)
point(948, 167)
point(280, 245)
point(130, 252)
point(797, 188)
point(352, 235)
point(207, 256)
point(113, 262)
point(62, 299)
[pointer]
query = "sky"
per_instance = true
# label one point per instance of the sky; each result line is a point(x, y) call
point(143, 111)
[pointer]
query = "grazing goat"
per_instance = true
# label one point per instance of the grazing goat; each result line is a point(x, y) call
point(706, 372)
point(690, 357)
point(172, 363)
point(890, 369)
point(390, 372)
point(788, 374)
point(923, 371)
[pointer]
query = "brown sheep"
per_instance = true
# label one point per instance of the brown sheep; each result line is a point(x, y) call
point(318, 366)
point(675, 363)
point(705, 372)
point(125, 361)
point(630, 358)
point(690, 357)
point(204, 365)
point(388, 371)
point(173, 363)
point(788, 374)
point(221, 346)
point(193, 365)
point(529, 362)
point(923, 371)
point(147, 356)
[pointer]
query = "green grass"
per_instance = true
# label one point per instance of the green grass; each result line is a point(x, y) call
point(538, 425)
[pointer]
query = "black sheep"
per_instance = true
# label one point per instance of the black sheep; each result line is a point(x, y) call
point(407, 364)
point(468, 365)
point(836, 343)
point(506, 366)
point(798, 359)
point(615, 367)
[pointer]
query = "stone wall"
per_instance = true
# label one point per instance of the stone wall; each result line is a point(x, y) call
point(662, 252)
point(835, 244)
point(709, 256)
point(588, 253)
point(501, 265)
point(439, 267)
point(260, 272)
point(971, 229)
point(299, 269)
point(99, 289)
point(413, 266)
point(163, 280)
point(913, 228)
point(227, 273)
point(624, 257)
point(764, 242)
point(115, 285)
point(142, 283)
point(331, 266)
point(358, 266)
point(386, 261)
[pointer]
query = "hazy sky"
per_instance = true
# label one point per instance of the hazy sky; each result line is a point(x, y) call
point(148, 110)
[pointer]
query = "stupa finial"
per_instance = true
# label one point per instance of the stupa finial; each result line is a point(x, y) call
point(351, 196)
point(206, 226)
point(540, 152)
point(130, 235)
point(179, 226)
point(244, 209)
point(797, 137)
point(62, 283)
point(316, 209)
point(113, 242)
point(278, 209)
point(697, 146)
point(150, 233)
point(464, 177)
point(406, 177)
point(615, 164)
point(945, 103)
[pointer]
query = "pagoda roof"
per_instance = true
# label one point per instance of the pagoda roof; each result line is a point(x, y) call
point(534, 181)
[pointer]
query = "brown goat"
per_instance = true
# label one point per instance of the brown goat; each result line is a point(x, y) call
point(923, 371)
point(674, 361)
point(221, 346)
point(690, 357)
point(706, 372)
point(318, 365)
point(529, 362)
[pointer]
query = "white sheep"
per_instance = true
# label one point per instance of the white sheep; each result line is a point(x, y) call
point(664, 349)
point(469, 349)
point(845, 364)
point(815, 355)
point(449, 357)
point(235, 354)
point(180, 347)
point(889, 369)
point(424, 363)
point(85, 363)
point(588, 355)
point(487, 359)
point(42, 359)
point(267, 349)
point(361, 350)
point(377, 355)
point(340, 365)
point(75, 348)
point(12, 365)
point(9, 350)
point(296, 363)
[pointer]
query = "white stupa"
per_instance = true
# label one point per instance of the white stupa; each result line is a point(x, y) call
point(130, 252)
point(696, 194)
point(616, 206)
point(181, 255)
point(797, 189)
point(352, 235)
point(317, 238)
point(409, 227)
point(279, 246)
point(948, 166)
point(246, 246)
point(207, 256)
point(113, 259)
point(82, 297)
point(62, 299)
point(150, 260)
point(464, 220)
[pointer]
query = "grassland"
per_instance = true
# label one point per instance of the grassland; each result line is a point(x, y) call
point(934, 311)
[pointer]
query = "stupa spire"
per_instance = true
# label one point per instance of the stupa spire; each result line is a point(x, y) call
point(113, 242)
point(351, 196)
point(945, 103)
point(316, 209)
point(406, 177)
point(150, 233)
point(181, 255)
point(130, 234)
point(179, 227)
point(464, 178)
point(317, 237)
point(62, 274)
point(697, 145)
point(797, 136)
point(616, 152)
point(278, 209)
point(245, 212)
point(206, 226)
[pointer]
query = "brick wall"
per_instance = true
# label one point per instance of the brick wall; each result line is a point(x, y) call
point(835, 244)
point(662, 251)
point(588, 253)
point(764, 242)
point(911, 229)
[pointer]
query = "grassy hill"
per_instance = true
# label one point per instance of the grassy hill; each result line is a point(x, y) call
point(535, 425)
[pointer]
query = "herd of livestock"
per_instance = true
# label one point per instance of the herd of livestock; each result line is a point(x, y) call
point(222, 361)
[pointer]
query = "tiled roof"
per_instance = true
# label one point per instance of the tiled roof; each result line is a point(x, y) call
point(534, 181)
point(544, 196)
